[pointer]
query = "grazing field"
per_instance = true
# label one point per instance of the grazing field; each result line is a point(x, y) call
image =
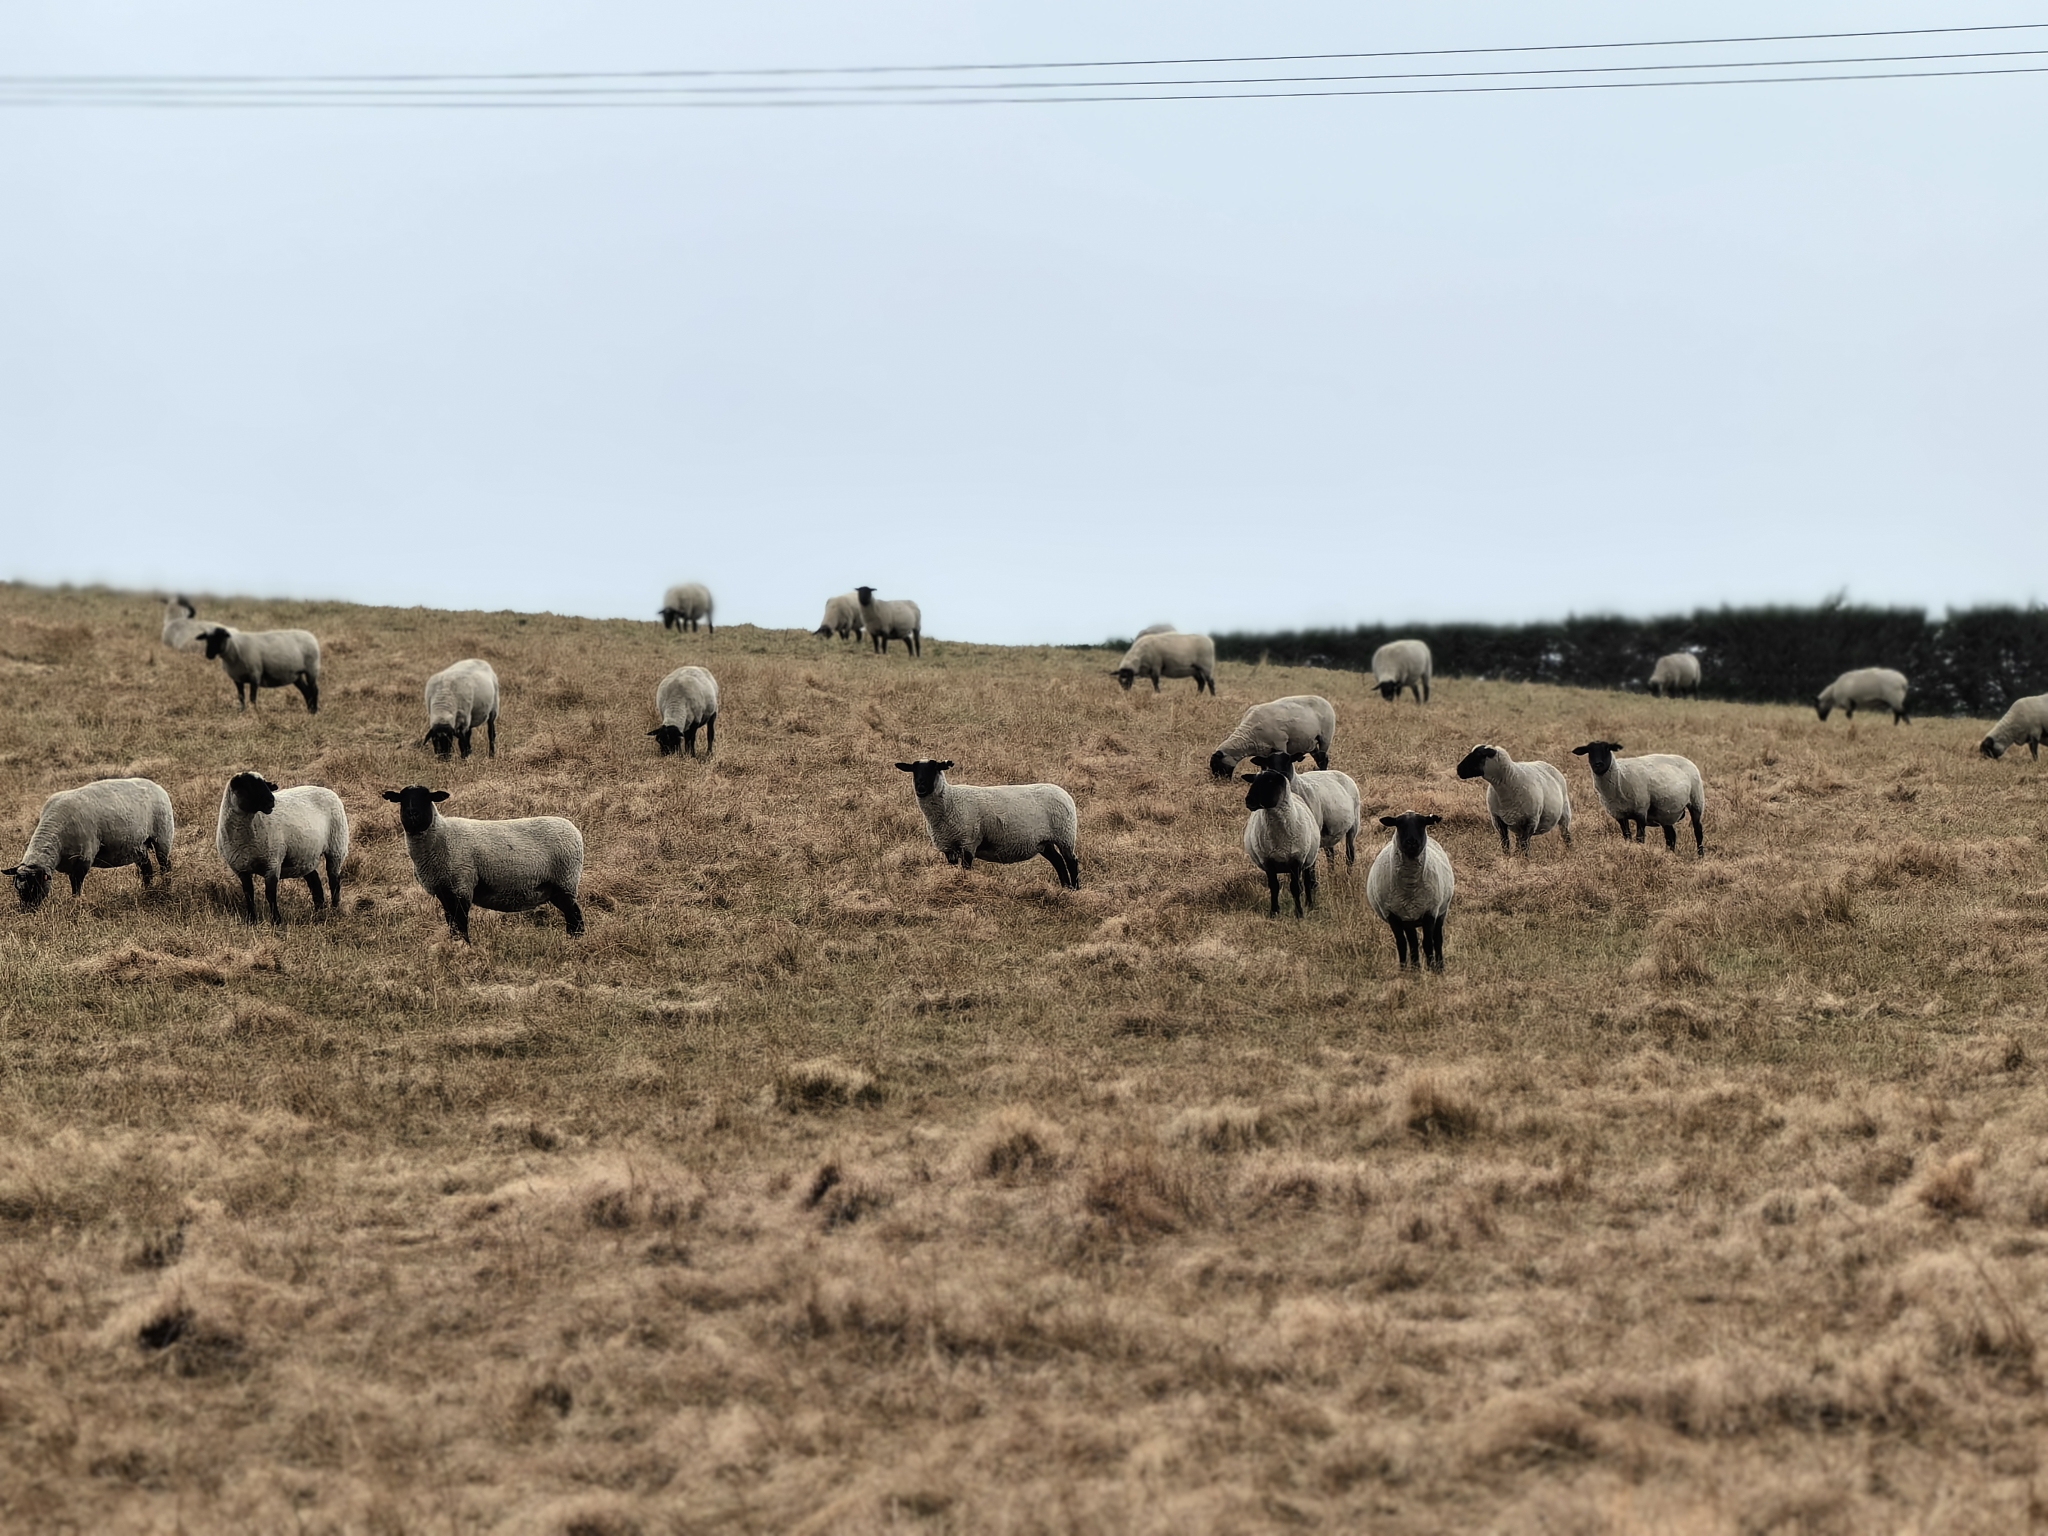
point(824, 1187)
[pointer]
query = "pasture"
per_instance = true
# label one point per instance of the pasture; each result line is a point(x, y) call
point(822, 1186)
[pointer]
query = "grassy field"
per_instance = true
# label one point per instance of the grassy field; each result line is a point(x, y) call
point(823, 1187)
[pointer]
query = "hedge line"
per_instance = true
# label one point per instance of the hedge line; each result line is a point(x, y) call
point(1974, 662)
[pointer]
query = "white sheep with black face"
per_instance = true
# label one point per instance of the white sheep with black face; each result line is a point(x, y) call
point(842, 617)
point(281, 834)
point(685, 606)
point(1169, 655)
point(1283, 837)
point(900, 619)
point(686, 699)
point(1409, 887)
point(459, 699)
point(267, 658)
point(2026, 721)
point(1658, 788)
point(1868, 687)
point(501, 866)
point(1402, 664)
point(102, 825)
point(1302, 722)
point(1329, 792)
point(1527, 799)
point(1675, 674)
point(1002, 823)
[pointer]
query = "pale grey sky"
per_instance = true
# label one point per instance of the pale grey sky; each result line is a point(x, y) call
point(1053, 371)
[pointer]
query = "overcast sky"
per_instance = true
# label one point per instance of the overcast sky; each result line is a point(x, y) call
point(1053, 371)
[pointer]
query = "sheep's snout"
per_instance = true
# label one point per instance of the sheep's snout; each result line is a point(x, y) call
point(31, 884)
point(1126, 676)
point(1990, 748)
point(442, 739)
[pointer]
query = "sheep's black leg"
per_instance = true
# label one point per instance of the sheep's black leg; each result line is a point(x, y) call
point(1849, 710)
point(711, 735)
point(1321, 753)
point(690, 740)
point(491, 729)
point(1522, 841)
point(1350, 846)
point(1155, 682)
point(142, 863)
point(1900, 717)
point(76, 875)
point(463, 739)
point(1501, 827)
point(1699, 833)
point(967, 858)
point(1273, 886)
point(2034, 747)
point(1433, 941)
point(1670, 836)
point(334, 883)
point(564, 903)
point(252, 695)
point(1294, 887)
point(1425, 690)
point(310, 691)
point(249, 896)
point(270, 896)
point(1309, 878)
point(456, 910)
point(241, 699)
point(1051, 851)
point(917, 643)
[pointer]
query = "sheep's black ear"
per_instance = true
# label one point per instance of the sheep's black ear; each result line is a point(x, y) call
point(906, 767)
point(1580, 751)
point(1430, 821)
point(1612, 746)
point(11, 872)
point(392, 794)
point(944, 766)
point(438, 796)
point(1249, 778)
point(1390, 821)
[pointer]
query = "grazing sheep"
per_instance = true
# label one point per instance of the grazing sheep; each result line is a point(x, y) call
point(685, 606)
point(1169, 655)
point(842, 616)
point(501, 866)
point(2026, 721)
point(686, 699)
point(267, 658)
point(1527, 799)
point(1283, 837)
point(1402, 664)
point(1410, 886)
point(1302, 722)
point(281, 834)
point(459, 697)
point(1003, 823)
point(1155, 629)
point(1330, 793)
point(1659, 787)
point(1873, 687)
point(1675, 674)
point(184, 630)
point(101, 825)
point(899, 620)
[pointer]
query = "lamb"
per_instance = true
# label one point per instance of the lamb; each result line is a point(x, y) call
point(685, 606)
point(184, 630)
point(2026, 721)
point(1283, 837)
point(899, 620)
point(281, 834)
point(267, 658)
point(458, 697)
point(101, 825)
point(1870, 686)
point(1410, 886)
point(1402, 664)
point(1302, 722)
point(1156, 629)
point(1527, 799)
point(1169, 655)
point(1659, 787)
point(1003, 823)
point(842, 616)
point(1675, 674)
point(686, 699)
point(501, 866)
point(1331, 794)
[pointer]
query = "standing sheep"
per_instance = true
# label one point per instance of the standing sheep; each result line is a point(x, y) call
point(1402, 664)
point(281, 834)
point(2026, 721)
point(1872, 687)
point(842, 616)
point(267, 658)
point(685, 606)
point(1003, 823)
point(501, 866)
point(1301, 722)
point(1169, 655)
point(898, 620)
point(1330, 793)
point(102, 825)
point(1675, 674)
point(1410, 886)
point(184, 630)
point(458, 698)
point(1527, 799)
point(1659, 787)
point(1283, 837)
point(686, 699)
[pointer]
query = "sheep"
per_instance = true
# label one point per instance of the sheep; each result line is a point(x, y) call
point(684, 606)
point(842, 616)
point(1156, 629)
point(1283, 837)
point(1003, 823)
point(899, 620)
point(2026, 721)
point(267, 658)
point(1527, 799)
point(1330, 793)
point(1872, 686)
point(1675, 674)
point(1302, 722)
point(1659, 787)
point(281, 834)
point(1402, 664)
point(101, 825)
point(686, 699)
point(184, 630)
point(458, 697)
point(1168, 655)
point(501, 866)
point(1410, 886)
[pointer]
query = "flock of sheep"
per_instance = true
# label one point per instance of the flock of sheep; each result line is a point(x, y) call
point(1296, 817)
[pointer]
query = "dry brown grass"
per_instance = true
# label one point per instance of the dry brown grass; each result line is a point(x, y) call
point(823, 1187)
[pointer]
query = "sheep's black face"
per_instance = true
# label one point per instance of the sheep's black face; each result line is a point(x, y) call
point(442, 739)
point(1474, 766)
point(253, 794)
point(865, 594)
point(1599, 755)
point(1990, 747)
point(1411, 831)
point(669, 738)
point(216, 641)
point(924, 773)
point(416, 806)
point(1126, 676)
point(1821, 708)
point(1268, 789)
point(31, 884)
point(1390, 690)
point(1220, 766)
